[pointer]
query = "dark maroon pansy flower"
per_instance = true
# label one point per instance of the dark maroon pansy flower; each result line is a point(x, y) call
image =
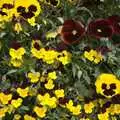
point(115, 21)
point(100, 28)
point(72, 31)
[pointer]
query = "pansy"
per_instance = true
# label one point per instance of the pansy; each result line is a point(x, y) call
point(40, 111)
point(16, 52)
point(74, 109)
point(100, 28)
point(47, 100)
point(34, 76)
point(28, 10)
point(49, 85)
point(50, 56)
point(59, 93)
point(52, 75)
point(3, 111)
point(36, 49)
point(115, 21)
point(16, 102)
point(89, 107)
point(107, 85)
point(28, 117)
point(93, 55)
point(5, 98)
point(23, 92)
point(7, 10)
point(103, 116)
point(72, 31)
point(16, 62)
point(64, 57)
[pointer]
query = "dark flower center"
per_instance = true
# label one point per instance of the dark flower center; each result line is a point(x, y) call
point(37, 46)
point(32, 8)
point(15, 45)
point(3, 13)
point(7, 6)
point(21, 9)
point(109, 91)
point(28, 14)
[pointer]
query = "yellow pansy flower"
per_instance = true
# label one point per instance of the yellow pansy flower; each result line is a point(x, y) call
point(50, 56)
point(4, 99)
point(23, 92)
point(89, 107)
point(93, 55)
point(52, 75)
point(64, 57)
point(32, 6)
point(69, 105)
point(49, 85)
point(103, 116)
point(34, 76)
point(17, 54)
point(107, 85)
point(74, 109)
point(16, 102)
point(28, 117)
point(40, 111)
point(18, 27)
point(3, 111)
point(59, 93)
point(47, 100)
point(16, 62)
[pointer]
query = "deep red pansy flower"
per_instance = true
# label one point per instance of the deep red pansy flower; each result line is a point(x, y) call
point(72, 31)
point(100, 28)
point(115, 21)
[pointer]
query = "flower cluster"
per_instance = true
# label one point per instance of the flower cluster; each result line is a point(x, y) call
point(72, 31)
point(59, 60)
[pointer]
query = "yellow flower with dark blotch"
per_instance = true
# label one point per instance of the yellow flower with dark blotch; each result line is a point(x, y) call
point(5, 98)
point(59, 93)
point(52, 75)
point(29, 10)
point(49, 85)
point(46, 100)
point(34, 77)
point(94, 56)
point(7, 10)
point(28, 117)
point(114, 109)
point(23, 92)
point(40, 111)
point(16, 62)
point(89, 107)
point(17, 54)
point(17, 117)
point(18, 27)
point(3, 112)
point(107, 85)
point(74, 109)
point(64, 57)
point(16, 102)
point(103, 116)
